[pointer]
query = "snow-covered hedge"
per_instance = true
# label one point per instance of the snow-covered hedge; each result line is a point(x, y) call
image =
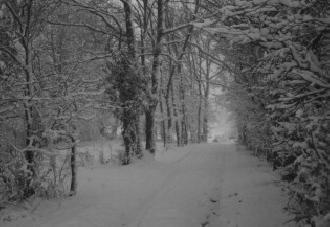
point(279, 54)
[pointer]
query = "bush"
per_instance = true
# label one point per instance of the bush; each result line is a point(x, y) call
point(15, 177)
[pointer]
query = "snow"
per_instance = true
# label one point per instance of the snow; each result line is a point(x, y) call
point(250, 194)
point(198, 185)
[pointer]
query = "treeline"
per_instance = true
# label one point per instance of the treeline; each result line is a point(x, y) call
point(69, 67)
point(279, 90)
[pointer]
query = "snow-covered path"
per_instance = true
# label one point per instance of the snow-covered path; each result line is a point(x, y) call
point(200, 185)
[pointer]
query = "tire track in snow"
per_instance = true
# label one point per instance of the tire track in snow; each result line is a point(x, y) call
point(193, 181)
point(146, 203)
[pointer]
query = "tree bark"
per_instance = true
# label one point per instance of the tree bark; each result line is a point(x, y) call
point(138, 150)
point(126, 134)
point(155, 72)
point(28, 71)
point(163, 121)
point(169, 119)
point(206, 103)
point(200, 112)
point(73, 163)
point(130, 116)
point(150, 129)
point(184, 132)
point(176, 118)
point(168, 105)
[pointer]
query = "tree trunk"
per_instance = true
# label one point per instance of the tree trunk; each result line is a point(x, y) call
point(206, 95)
point(163, 124)
point(176, 118)
point(130, 116)
point(147, 115)
point(29, 154)
point(150, 129)
point(138, 150)
point(205, 128)
point(200, 117)
point(169, 90)
point(206, 106)
point(205, 117)
point(169, 119)
point(184, 132)
point(30, 140)
point(74, 182)
point(130, 37)
point(163, 120)
point(127, 136)
point(178, 134)
point(155, 71)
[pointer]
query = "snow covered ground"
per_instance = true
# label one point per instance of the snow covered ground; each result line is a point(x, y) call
point(198, 185)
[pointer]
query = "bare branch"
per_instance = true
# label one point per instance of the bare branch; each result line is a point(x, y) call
point(77, 25)
point(167, 31)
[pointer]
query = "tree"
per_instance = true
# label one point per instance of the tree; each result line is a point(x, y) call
point(21, 25)
point(42, 67)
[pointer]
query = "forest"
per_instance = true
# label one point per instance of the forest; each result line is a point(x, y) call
point(143, 71)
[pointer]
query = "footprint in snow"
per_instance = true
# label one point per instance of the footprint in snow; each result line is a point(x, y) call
point(204, 224)
point(213, 200)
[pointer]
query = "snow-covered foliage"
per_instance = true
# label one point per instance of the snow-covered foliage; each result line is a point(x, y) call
point(280, 55)
point(44, 93)
point(124, 86)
